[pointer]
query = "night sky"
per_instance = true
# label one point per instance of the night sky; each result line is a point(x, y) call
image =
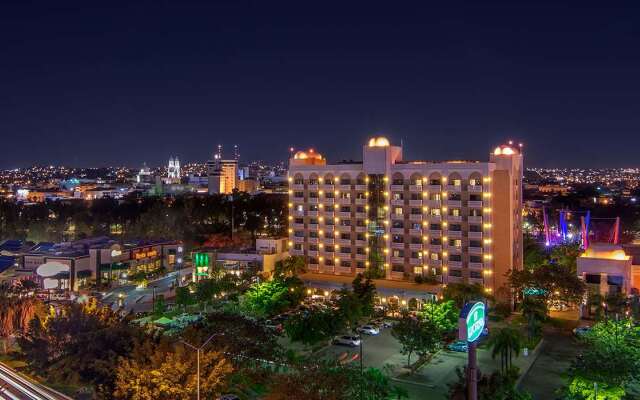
point(88, 85)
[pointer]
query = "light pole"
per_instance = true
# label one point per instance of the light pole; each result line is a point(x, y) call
point(198, 349)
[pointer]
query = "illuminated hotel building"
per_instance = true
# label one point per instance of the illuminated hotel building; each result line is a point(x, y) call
point(452, 221)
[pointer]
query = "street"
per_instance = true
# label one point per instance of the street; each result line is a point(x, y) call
point(13, 386)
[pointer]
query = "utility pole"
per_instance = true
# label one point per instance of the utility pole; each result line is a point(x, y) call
point(198, 350)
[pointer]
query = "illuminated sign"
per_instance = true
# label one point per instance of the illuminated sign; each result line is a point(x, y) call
point(116, 253)
point(472, 321)
point(201, 261)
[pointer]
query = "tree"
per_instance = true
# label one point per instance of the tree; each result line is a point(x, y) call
point(314, 326)
point(168, 371)
point(611, 360)
point(444, 315)
point(555, 283)
point(534, 311)
point(534, 254)
point(290, 266)
point(506, 342)
point(365, 290)
point(271, 297)
point(184, 297)
point(462, 293)
point(416, 336)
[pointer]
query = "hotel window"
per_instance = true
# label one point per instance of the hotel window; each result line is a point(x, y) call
point(475, 182)
point(297, 246)
point(416, 211)
point(298, 194)
point(416, 240)
point(328, 261)
point(475, 228)
point(398, 181)
point(328, 221)
point(345, 222)
point(359, 209)
point(416, 254)
point(360, 250)
point(313, 207)
point(475, 243)
point(434, 227)
point(360, 236)
point(313, 221)
point(345, 181)
point(475, 274)
point(397, 196)
point(298, 181)
point(435, 196)
point(345, 250)
point(359, 264)
point(397, 224)
point(455, 196)
point(397, 210)
point(328, 181)
point(456, 182)
point(360, 222)
point(434, 181)
point(345, 195)
point(416, 196)
point(329, 249)
point(300, 208)
point(313, 195)
point(475, 197)
point(475, 259)
point(457, 243)
point(416, 181)
point(330, 208)
point(455, 257)
point(416, 226)
point(345, 236)
point(298, 233)
point(455, 227)
point(397, 268)
point(435, 241)
point(397, 239)
point(313, 260)
point(360, 181)
point(329, 195)
point(345, 209)
point(313, 234)
point(455, 212)
point(313, 247)
point(299, 220)
point(455, 272)
point(434, 256)
point(475, 212)
point(360, 195)
point(417, 270)
point(345, 263)
point(313, 181)
point(435, 212)
point(398, 253)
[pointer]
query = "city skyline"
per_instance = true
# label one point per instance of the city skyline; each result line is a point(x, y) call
point(112, 85)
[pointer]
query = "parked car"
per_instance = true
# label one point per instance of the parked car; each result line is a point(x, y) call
point(347, 340)
point(581, 331)
point(369, 330)
point(228, 397)
point(459, 346)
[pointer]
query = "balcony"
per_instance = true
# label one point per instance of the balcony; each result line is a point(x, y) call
point(415, 232)
point(396, 245)
point(454, 188)
point(295, 252)
point(475, 235)
point(327, 269)
point(313, 240)
point(397, 216)
point(360, 243)
point(312, 200)
point(474, 188)
point(328, 240)
point(361, 187)
point(345, 242)
point(397, 275)
point(415, 217)
point(343, 270)
point(312, 213)
point(435, 247)
point(454, 218)
point(415, 246)
point(455, 264)
point(313, 267)
point(328, 201)
point(298, 239)
point(345, 188)
point(397, 202)
point(474, 203)
point(298, 226)
point(475, 250)
point(397, 231)
point(361, 257)
point(361, 215)
point(397, 260)
point(454, 203)
point(435, 218)
point(329, 188)
point(344, 214)
point(415, 261)
point(475, 219)
point(361, 229)
point(476, 265)
point(345, 201)
point(415, 188)
point(361, 202)
point(476, 280)
point(435, 232)
point(454, 249)
point(396, 188)
point(298, 213)
point(312, 186)
point(433, 203)
point(313, 227)
point(312, 253)
point(435, 263)
point(415, 203)
point(455, 234)
point(434, 188)
point(297, 186)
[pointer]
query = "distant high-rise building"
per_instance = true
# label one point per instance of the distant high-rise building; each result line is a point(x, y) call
point(444, 222)
point(222, 174)
point(144, 175)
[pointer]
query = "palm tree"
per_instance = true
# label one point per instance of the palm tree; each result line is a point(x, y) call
point(506, 342)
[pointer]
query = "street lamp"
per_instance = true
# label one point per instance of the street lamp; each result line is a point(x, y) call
point(198, 349)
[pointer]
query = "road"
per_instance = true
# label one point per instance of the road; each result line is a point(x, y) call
point(14, 386)
point(141, 299)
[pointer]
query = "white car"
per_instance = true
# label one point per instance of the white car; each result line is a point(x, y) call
point(369, 330)
point(347, 340)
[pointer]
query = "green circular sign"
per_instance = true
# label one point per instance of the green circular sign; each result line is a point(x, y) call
point(475, 321)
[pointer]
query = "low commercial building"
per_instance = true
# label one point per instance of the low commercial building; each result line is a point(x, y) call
point(610, 268)
point(259, 260)
point(72, 265)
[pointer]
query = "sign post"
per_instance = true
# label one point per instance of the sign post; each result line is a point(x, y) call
point(470, 327)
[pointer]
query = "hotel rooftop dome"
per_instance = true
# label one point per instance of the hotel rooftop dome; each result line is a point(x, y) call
point(379, 141)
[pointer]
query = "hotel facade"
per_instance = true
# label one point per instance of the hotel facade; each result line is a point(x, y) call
point(453, 221)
